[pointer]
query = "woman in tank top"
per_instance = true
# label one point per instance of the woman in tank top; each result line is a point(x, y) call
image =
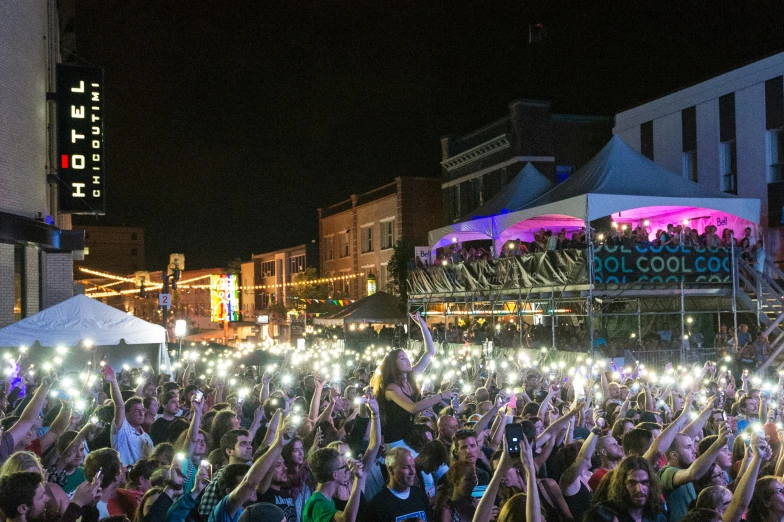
point(397, 391)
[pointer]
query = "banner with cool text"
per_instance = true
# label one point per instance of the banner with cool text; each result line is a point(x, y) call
point(648, 264)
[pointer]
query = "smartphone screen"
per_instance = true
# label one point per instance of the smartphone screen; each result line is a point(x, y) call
point(514, 434)
point(198, 396)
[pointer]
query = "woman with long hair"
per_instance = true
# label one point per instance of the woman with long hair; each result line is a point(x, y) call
point(460, 505)
point(224, 422)
point(300, 483)
point(399, 397)
point(767, 502)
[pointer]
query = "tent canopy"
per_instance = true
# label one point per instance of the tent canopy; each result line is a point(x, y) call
point(83, 319)
point(524, 188)
point(621, 183)
point(380, 307)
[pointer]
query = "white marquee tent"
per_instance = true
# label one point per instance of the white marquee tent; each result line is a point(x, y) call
point(81, 320)
point(621, 183)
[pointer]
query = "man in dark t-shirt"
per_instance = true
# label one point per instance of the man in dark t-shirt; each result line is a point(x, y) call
point(159, 427)
point(399, 500)
point(275, 495)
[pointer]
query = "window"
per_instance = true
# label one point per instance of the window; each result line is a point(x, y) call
point(728, 165)
point(344, 245)
point(329, 249)
point(367, 239)
point(690, 165)
point(387, 234)
point(646, 139)
point(297, 264)
point(268, 268)
point(775, 146)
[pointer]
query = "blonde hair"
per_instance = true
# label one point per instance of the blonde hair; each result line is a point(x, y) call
point(21, 461)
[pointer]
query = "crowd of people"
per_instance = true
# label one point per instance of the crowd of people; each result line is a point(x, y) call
point(751, 249)
point(387, 439)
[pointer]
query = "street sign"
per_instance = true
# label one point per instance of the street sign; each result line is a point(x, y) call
point(164, 300)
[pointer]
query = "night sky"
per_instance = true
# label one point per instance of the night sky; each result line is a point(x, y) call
point(228, 127)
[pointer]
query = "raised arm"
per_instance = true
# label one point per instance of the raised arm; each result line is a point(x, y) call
point(430, 349)
point(700, 466)
point(58, 427)
point(119, 405)
point(745, 488)
point(558, 425)
point(261, 467)
point(695, 427)
point(667, 435)
point(533, 509)
point(485, 507)
point(570, 479)
point(29, 415)
point(315, 401)
point(193, 429)
point(369, 458)
point(352, 506)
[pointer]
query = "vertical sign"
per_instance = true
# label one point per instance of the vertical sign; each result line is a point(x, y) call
point(224, 298)
point(80, 150)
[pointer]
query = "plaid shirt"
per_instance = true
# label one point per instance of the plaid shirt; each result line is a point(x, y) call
point(212, 495)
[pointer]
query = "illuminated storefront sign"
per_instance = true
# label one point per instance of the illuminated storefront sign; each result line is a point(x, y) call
point(80, 151)
point(224, 298)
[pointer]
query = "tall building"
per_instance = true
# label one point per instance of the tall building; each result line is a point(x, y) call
point(36, 249)
point(726, 133)
point(119, 250)
point(357, 235)
point(480, 164)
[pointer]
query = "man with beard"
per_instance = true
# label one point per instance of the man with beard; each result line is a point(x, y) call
point(633, 495)
point(171, 407)
point(22, 497)
point(466, 447)
point(273, 494)
point(683, 468)
point(400, 500)
point(611, 454)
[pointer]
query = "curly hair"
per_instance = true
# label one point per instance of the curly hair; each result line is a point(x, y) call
point(619, 495)
point(390, 374)
point(759, 500)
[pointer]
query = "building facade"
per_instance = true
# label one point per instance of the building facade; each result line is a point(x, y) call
point(726, 133)
point(36, 249)
point(118, 250)
point(480, 164)
point(357, 235)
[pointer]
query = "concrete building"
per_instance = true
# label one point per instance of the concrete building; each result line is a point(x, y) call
point(36, 249)
point(478, 165)
point(726, 133)
point(357, 235)
point(119, 250)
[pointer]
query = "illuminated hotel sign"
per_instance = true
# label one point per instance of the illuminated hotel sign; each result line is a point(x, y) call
point(224, 298)
point(80, 151)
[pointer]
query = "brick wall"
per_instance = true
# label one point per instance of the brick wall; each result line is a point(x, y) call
point(23, 27)
point(6, 284)
point(32, 281)
point(58, 278)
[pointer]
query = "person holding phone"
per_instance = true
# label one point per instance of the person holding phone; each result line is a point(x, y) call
point(127, 435)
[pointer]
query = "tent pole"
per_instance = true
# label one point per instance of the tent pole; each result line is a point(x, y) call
point(639, 322)
point(683, 325)
point(734, 298)
point(552, 312)
point(589, 252)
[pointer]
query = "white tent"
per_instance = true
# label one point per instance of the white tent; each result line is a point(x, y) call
point(528, 185)
point(622, 183)
point(80, 320)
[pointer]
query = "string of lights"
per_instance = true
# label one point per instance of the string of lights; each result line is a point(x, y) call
point(106, 275)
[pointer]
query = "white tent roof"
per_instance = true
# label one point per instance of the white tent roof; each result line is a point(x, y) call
point(618, 182)
point(81, 318)
point(620, 179)
point(524, 188)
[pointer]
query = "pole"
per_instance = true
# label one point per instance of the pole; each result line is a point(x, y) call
point(165, 290)
point(734, 297)
point(683, 324)
point(552, 312)
point(589, 252)
point(639, 322)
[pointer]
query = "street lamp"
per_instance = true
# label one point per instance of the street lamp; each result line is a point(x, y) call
point(180, 327)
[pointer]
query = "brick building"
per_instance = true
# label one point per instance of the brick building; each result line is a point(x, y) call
point(119, 250)
point(36, 249)
point(357, 235)
point(480, 164)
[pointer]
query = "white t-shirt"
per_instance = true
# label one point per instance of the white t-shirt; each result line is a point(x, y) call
point(130, 444)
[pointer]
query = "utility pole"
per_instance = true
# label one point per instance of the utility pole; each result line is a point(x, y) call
point(174, 276)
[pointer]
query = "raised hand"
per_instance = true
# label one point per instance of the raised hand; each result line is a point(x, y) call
point(527, 457)
point(507, 462)
point(355, 467)
point(87, 493)
point(372, 404)
point(598, 418)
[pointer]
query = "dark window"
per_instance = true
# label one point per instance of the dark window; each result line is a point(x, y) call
point(727, 117)
point(134, 236)
point(134, 252)
point(774, 103)
point(646, 139)
point(689, 128)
